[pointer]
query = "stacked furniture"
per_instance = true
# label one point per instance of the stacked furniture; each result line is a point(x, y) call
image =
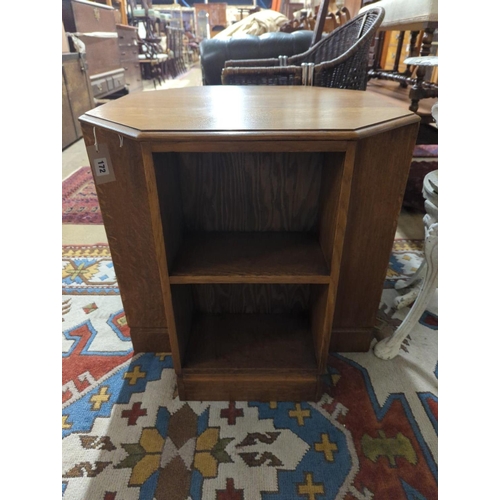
point(94, 24)
point(128, 43)
point(76, 96)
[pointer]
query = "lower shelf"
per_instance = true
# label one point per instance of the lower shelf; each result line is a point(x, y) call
point(250, 343)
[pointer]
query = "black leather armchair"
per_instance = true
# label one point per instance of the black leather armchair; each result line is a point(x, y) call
point(215, 52)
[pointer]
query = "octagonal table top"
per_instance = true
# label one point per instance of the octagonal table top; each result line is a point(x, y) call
point(255, 110)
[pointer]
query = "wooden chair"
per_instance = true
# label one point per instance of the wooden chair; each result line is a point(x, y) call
point(421, 19)
point(340, 60)
point(152, 60)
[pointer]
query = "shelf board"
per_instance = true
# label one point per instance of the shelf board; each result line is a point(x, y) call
point(250, 343)
point(250, 257)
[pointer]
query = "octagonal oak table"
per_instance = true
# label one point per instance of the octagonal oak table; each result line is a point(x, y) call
point(250, 227)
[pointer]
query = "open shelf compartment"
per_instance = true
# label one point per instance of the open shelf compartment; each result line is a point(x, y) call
point(246, 218)
point(249, 244)
point(233, 333)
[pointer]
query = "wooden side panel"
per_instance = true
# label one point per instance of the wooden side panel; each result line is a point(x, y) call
point(78, 90)
point(334, 205)
point(380, 173)
point(127, 219)
point(250, 191)
point(68, 126)
point(183, 309)
point(331, 182)
point(166, 168)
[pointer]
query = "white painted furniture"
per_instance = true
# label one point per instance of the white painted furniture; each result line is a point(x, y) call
point(389, 348)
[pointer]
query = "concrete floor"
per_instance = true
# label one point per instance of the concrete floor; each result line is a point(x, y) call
point(410, 225)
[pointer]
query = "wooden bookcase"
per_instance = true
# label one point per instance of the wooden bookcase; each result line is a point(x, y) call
point(236, 202)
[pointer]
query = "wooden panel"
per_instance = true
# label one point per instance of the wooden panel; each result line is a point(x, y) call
point(334, 202)
point(126, 34)
point(166, 170)
point(182, 304)
point(133, 78)
point(91, 17)
point(321, 312)
point(237, 145)
point(126, 214)
point(250, 343)
point(380, 172)
point(330, 191)
point(269, 192)
point(69, 134)
point(266, 109)
point(102, 55)
point(251, 299)
point(78, 91)
point(249, 387)
point(145, 339)
point(269, 257)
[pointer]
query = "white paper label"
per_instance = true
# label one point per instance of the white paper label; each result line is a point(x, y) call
point(101, 163)
point(101, 166)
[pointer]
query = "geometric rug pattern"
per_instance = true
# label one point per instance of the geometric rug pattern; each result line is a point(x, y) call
point(79, 199)
point(126, 435)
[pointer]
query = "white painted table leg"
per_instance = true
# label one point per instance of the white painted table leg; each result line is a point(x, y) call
point(409, 297)
point(400, 284)
point(389, 348)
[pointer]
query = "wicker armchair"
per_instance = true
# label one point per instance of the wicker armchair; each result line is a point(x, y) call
point(340, 60)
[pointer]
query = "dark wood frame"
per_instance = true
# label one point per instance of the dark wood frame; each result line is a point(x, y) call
point(420, 89)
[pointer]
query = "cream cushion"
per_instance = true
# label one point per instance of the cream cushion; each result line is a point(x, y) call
point(406, 15)
point(264, 21)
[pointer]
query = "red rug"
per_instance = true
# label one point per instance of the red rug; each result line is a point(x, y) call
point(425, 160)
point(79, 199)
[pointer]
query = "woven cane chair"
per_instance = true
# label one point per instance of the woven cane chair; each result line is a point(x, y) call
point(340, 60)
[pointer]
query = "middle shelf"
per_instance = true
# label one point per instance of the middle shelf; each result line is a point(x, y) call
point(250, 257)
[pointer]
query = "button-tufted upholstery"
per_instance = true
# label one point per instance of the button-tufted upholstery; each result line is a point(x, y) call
point(215, 52)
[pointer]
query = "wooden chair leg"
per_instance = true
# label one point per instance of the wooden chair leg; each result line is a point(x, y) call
point(418, 92)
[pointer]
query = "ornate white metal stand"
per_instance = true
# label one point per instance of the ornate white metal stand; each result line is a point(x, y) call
point(389, 348)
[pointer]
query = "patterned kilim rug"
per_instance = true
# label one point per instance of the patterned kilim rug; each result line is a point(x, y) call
point(126, 435)
point(79, 199)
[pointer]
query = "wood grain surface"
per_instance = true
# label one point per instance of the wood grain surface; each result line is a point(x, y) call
point(250, 342)
point(126, 214)
point(249, 109)
point(251, 299)
point(268, 191)
point(250, 257)
point(380, 172)
point(251, 386)
point(239, 250)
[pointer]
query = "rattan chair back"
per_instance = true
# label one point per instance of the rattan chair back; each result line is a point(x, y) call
point(340, 59)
